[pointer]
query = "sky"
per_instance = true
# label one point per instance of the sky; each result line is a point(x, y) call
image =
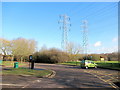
point(60, 0)
point(39, 21)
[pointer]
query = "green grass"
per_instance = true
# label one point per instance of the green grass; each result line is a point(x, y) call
point(109, 64)
point(22, 71)
point(106, 61)
point(25, 71)
point(104, 64)
point(11, 63)
point(71, 63)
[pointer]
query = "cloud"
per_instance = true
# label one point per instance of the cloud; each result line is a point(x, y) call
point(103, 49)
point(115, 39)
point(107, 50)
point(97, 44)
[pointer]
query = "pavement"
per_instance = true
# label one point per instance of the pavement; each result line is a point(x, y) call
point(64, 77)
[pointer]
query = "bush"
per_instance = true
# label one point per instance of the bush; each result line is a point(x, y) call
point(50, 56)
point(113, 56)
point(93, 57)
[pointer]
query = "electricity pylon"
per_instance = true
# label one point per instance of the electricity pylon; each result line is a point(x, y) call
point(65, 26)
point(85, 37)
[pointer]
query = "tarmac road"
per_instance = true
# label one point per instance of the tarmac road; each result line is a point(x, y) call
point(68, 77)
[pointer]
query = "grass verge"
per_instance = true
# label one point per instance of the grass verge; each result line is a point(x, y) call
point(106, 61)
point(102, 64)
point(109, 64)
point(25, 71)
point(71, 63)
point(11, 63)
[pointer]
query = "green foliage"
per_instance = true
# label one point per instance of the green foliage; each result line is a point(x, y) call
point(50, 56)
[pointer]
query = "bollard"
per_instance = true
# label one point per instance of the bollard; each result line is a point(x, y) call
point(32, 64)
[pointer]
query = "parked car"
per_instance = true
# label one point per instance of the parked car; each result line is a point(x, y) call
point(88, 64)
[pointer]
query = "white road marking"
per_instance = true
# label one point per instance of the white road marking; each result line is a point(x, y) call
point(38, 80)
point(110, 83)
point(31, 83)
point(11, 84)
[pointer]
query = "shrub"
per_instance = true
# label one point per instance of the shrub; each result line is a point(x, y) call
point(50, 56)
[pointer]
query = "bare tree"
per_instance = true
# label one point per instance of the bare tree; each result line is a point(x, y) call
point(22, 47)
point(43, 48)
point(73, 49)
point(5, 46)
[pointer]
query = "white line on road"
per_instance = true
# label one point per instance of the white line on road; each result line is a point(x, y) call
point(11, 84)
point(31, 83)
point(110, 83)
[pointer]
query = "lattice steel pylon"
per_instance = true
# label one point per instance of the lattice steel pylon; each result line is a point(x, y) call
point(85, 37)
point(65, 21)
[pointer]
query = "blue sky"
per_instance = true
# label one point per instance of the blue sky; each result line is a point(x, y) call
point(39, 21)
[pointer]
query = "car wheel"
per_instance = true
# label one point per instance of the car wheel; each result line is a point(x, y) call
point(86, 67)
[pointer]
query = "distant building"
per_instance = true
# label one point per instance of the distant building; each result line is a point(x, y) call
point(103, 58)
point(8, 58)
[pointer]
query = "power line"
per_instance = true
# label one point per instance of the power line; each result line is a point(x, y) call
point(107, 11)
point(104, 16)
point(101, 11)
point(65, 20)
point(83, 8)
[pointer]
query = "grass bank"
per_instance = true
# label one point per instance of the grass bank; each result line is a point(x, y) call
point(76, 63)
point(11, 63)
point(102, 64)
point(106, 61)
point(25, 71)
point(108, 64)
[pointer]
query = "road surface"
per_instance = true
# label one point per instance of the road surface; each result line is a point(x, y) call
point(66, 77)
